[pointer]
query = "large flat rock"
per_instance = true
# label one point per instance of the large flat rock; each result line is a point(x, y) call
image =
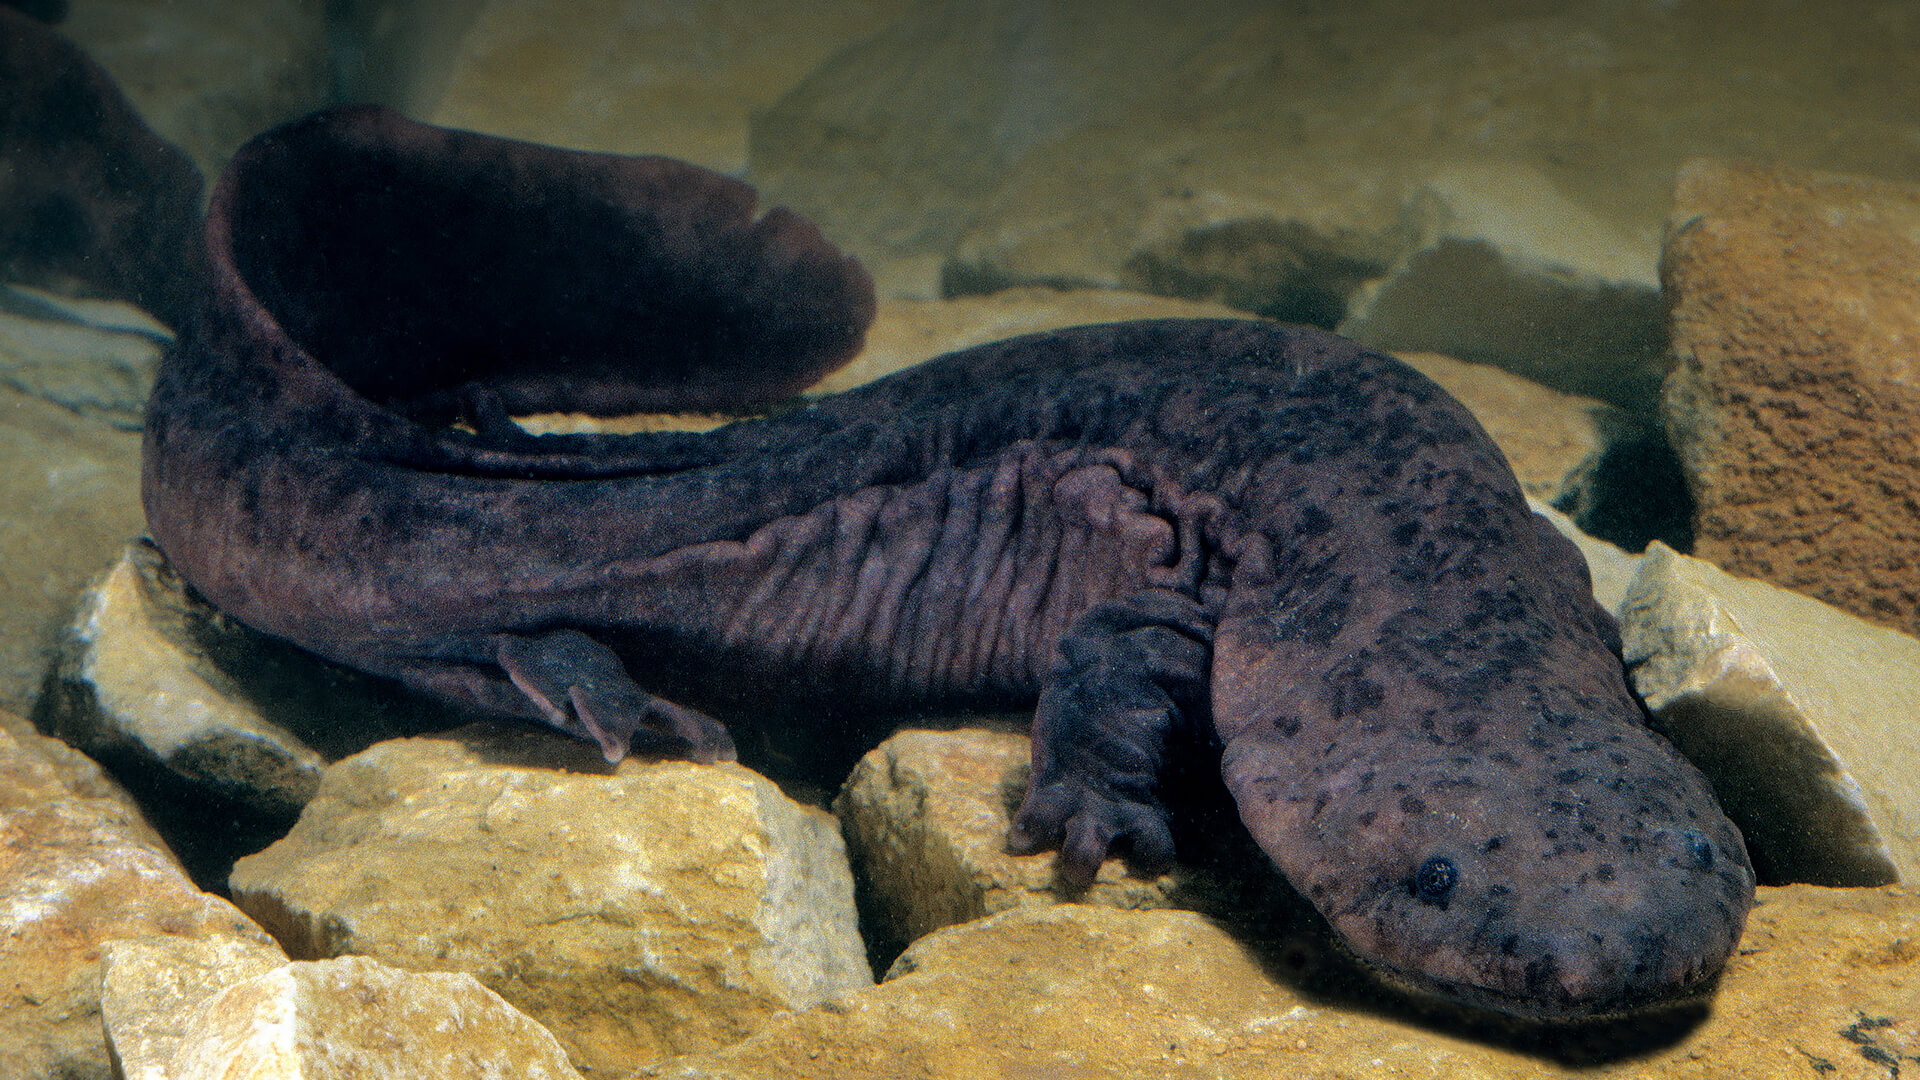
point(1823, 985)
point(79, 868)
point(636, 911)
point(1806, 718)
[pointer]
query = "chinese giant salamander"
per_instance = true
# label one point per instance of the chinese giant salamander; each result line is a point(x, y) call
point(1164, 533)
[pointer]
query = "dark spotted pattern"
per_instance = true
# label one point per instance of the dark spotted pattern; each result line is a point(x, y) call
point(1169, 535)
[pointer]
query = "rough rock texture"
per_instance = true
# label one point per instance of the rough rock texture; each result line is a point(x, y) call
point(1278, 158)
point(222, 731)
point(95, 357)
point(1511, 270)
point(70, 494)
point(1795, 302)
point(1803, 715)
point(626, 76)
point(637, 912)
point(208, 74)
point(1824, 987)
point(152, 987)
point(355, 1017)
point(132, 682)
point(78, 868)
point(926, 815)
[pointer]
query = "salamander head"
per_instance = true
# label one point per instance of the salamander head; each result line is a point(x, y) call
point(1546, 890)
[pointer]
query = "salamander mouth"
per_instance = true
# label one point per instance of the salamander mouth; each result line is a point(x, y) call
point(1541, 995)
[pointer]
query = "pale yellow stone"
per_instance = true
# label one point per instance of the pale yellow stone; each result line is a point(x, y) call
point(152, 987)
point(79, 867)
point(356, 1017)
point(636, 911)
point(134, 680)
point(1827, 984)
point(926, 816)
point(1806, 718)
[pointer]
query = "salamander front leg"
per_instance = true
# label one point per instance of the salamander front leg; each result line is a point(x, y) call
point(583, 689)
point(1125, 678)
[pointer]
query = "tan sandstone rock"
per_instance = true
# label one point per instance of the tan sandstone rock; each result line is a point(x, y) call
point(148, 670)
point(1795, 300)
point(133, 680)
point(152, 989)
point(356, 1017)
point(1827, 984)
point(635, 911)
point(1806, 718)
point(79, 867)
point(926, 816)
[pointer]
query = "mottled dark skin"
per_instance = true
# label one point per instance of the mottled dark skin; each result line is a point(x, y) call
point(1164, 533)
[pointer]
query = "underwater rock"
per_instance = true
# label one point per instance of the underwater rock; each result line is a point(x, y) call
point(134, 686)
point(90, 199)
point(94, 357)
point(78, 868)
point(926, 815)
point(1802, 715)
point(637, 911)
point(221, 731)
point(1279, 158)
point(69, 498)
point(1823, 984)
point(623, 76)
point(356, 1017)
point(1508, 269)
point(152, 987)
point(1795, 301)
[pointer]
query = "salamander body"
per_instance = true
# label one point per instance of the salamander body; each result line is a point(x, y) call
point(1173, 537)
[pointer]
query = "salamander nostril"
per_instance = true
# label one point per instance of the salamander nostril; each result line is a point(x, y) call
point(1434, 881)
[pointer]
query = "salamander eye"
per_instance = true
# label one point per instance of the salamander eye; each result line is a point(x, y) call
point(1433, 883)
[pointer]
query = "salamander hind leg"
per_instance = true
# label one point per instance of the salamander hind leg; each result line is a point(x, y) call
point(1128, 677)
point(582, 688)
